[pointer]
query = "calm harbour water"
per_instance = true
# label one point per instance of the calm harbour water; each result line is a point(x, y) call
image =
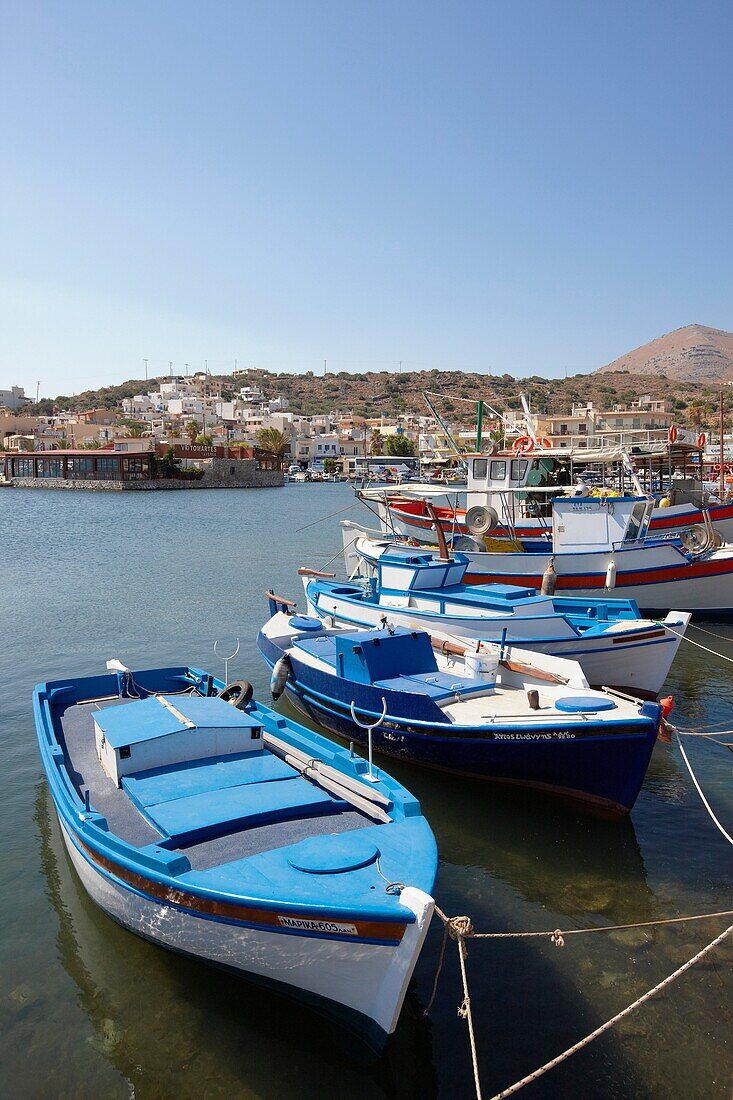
point(87, 1009)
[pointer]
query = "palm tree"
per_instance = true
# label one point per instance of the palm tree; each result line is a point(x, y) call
point(376, 442)
point(273, 442)
point(135, 431)
point(192, 430)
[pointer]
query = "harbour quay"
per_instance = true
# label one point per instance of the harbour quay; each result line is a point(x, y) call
point(124, 467)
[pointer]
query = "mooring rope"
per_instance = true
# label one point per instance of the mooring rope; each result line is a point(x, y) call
point(699, 645)
point(461, 928)
point(322, 519)
point(712, 633)
point(614, 1019)
point(699, 790)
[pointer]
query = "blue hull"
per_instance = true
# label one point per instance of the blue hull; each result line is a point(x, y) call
point(603, 768)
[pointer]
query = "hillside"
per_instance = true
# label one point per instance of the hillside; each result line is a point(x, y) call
point(392, 393)
point(694, 353)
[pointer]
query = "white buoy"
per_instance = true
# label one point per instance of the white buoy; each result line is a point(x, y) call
point(611, 575)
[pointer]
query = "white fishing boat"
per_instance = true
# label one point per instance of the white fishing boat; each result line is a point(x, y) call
point(413, 587)
point(596, 547)
point(515, 487)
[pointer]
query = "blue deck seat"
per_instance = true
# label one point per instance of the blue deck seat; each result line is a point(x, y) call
point(324, 648)
point(197, 777)
point(214, 813)
point(436, 685)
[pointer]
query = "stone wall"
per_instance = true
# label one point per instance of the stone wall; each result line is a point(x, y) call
point(250, 478)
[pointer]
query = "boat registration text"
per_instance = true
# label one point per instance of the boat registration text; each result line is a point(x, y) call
point(302, 924)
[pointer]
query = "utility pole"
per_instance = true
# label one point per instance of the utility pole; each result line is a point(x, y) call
point(146, 369)
point(38, 390)
point(400, 366)
point(324, 368)
point(170, 368)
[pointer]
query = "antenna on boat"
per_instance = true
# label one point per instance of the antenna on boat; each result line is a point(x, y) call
point(370, 729)
point(226, 660)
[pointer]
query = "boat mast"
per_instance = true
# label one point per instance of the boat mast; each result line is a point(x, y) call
point(721, 475)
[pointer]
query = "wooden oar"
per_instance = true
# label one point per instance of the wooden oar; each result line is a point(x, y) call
point(444, 646)
point(536, 673)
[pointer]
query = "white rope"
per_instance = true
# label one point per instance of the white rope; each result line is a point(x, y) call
point(614, 1019)
point(699, 645)
point(699, 790)
point(720, 637)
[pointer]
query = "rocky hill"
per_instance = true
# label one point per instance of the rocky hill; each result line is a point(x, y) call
point(392, 393)
point(694, 353)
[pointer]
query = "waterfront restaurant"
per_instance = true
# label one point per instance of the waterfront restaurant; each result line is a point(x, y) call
point(82, 465)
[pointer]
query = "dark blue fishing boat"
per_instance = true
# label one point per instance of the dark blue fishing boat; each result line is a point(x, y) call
point(511, 716)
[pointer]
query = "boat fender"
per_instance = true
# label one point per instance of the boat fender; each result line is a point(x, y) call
point(611, 575)
point(665, 502)
point(666, 704)
point(239, 693)
point(279, 677)
point(549, 579)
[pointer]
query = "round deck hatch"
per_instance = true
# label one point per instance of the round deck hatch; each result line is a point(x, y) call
point(334, 854)
point(305, 622)
point(584, 704)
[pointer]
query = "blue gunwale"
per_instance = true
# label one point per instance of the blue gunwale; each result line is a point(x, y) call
point(453, 730)
point(628, 637)
point(161, 867)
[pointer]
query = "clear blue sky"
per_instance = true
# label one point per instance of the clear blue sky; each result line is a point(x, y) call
point(526, 187)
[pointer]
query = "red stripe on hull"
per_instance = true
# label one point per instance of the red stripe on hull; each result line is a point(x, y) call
point(693, 570)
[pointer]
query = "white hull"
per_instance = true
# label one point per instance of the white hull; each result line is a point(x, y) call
point(658, 575)
point(638, 664)
point(368, 979)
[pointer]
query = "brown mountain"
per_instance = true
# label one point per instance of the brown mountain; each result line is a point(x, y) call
point(694, 353)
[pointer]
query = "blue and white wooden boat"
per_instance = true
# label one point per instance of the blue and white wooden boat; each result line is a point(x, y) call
point(413, 587)
point(599, 547)
point(511, 716)
point(240, 838)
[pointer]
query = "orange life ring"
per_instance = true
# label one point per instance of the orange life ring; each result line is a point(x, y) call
point(702, 440)
point(522, 445)
point(717, 468)
point(544, 441)
point(672, 434)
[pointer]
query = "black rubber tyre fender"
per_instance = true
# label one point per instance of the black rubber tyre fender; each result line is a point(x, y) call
point(239, 693)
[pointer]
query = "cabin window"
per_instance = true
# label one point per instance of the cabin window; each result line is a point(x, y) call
point(480, 466)
point(636, 520)
point(498, 470)
point(518, 469)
